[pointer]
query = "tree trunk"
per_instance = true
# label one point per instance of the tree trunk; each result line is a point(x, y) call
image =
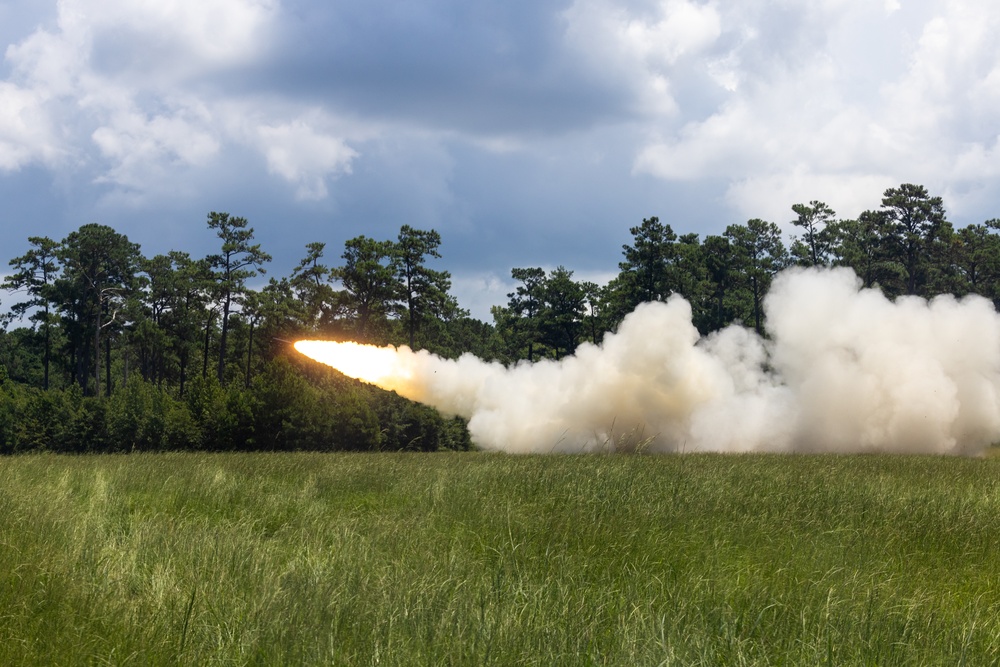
point(249, 354)
point(79, 367)
point(48, 348)
point(183, 362)
point(107, 365)
point(411, 315)
point(204, 358)
point(758, 326)
point(97, 348)
point(222, 339)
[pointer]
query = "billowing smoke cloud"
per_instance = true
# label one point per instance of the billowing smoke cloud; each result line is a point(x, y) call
point(844, 370)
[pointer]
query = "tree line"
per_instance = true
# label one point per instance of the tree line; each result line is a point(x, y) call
point(906, 246)
point(121, 352)
point(116, 351)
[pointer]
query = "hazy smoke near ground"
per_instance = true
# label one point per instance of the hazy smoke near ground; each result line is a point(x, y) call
point(844, 370)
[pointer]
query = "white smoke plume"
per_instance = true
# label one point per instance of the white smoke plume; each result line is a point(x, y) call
point(843, 370)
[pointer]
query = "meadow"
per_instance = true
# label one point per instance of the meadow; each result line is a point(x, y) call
point(481, 559)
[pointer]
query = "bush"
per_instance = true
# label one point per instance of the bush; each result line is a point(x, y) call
point(223, 417)
point(294, 414)
point(355, 426)
point(415, 427)
point(286, 409)
point(144, 417)
point(90, 430)
point(46, 418)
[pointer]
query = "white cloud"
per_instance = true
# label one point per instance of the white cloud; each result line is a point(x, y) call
point(953, 74)
point(641, 48)
point(140, 146)
point(679, 28)
point(171, 36)
point(49, 62)
point(304, 156)
point(113, 77)
point(820, 109)
point(150, 44)
point(25, 134)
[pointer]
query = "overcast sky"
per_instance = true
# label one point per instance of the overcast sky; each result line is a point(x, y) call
point(527, 132)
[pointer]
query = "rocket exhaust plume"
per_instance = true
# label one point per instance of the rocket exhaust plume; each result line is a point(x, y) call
point(844, 370)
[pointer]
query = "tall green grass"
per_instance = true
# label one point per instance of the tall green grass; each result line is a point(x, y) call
point(476, 559)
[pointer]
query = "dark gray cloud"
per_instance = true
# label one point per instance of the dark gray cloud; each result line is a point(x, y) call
point(484, 68)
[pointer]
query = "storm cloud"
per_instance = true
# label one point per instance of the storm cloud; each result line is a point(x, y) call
point(551, 126)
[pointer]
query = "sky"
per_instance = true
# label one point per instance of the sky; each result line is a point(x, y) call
point(526, 132)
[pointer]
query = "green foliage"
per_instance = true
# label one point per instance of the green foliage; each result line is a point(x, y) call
point(206, 402)
point(22, 355)
point(10, 412)
point(90, 432)
point(859, 245)
point(521, 320)
point(561, 318)
point(916, 224)
point(99, 268)
point(409, 426)
point(45, 420)
point(452, 338)
point(32, 420)
point(975, 251)
point(545, 314)
point(35, 274)
point(310, 282)
point(284, 410)
point(370, 286)
point(354, 424)
point(288, 411)
point(648, 272)
point(814, 219)
point(141, 417)
point(721, 280)
point(422, 291)
point(758, 254)
point(147, 320)
point(293, 413)
point(238, 261)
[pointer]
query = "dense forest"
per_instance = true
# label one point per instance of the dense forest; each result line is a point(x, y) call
point(106, 350)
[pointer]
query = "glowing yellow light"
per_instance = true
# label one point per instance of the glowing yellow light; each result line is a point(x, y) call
point(376, 365)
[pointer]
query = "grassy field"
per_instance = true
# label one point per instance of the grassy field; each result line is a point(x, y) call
point(477, 559)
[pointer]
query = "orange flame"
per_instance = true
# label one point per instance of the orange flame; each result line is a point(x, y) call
point(382, 366)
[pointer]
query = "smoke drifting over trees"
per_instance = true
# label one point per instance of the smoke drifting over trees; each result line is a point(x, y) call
point(844, 370)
